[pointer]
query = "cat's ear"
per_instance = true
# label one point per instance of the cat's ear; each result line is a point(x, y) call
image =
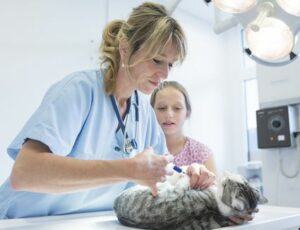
point(233, 176)
point(260, 198)
point(223, 177)
point(226, 174)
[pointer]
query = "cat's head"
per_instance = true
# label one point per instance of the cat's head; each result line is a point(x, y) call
point(237, 194)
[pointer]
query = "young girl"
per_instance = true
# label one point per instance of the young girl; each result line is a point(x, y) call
point(172, 106)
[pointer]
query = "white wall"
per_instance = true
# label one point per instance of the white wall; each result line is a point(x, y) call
point(279, 189)
point(211, 74)
point(45, 40)
point(41, 41)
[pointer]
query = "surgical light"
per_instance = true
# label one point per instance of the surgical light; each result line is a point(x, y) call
point(271, 27)
point(272, 41)
point(269, 38)
point(290, 6)
point(234, 6)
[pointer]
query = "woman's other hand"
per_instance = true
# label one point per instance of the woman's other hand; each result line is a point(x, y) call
point(200, 176)
point(149, 168)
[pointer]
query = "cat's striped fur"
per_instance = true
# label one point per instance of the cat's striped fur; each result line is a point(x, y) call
point(178, 207)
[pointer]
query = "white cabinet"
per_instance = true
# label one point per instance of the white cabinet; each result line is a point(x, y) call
point(279, 85)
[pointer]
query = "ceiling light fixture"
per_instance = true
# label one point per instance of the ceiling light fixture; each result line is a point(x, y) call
point(269, 38)
point(290, 6)
point(234, 6)
point(271, 28)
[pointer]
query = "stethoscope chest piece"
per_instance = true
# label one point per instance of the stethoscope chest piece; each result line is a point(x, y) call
point(129, 145)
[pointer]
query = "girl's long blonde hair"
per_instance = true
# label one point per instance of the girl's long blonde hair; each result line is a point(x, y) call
point(149, 27)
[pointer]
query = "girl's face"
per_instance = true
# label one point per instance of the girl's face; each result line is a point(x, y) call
point(170, 110)
point(147, 75)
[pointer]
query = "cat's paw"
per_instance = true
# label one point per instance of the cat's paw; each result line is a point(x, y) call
point(183, 183)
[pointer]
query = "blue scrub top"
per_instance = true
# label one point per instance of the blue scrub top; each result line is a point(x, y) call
point(76, 119)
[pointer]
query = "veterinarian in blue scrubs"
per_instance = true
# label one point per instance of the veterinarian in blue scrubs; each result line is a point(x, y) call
point(95, 130)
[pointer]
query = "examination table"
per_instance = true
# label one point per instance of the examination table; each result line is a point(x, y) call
point(269, 217)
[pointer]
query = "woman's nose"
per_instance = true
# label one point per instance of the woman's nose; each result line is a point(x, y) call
point(165, 71)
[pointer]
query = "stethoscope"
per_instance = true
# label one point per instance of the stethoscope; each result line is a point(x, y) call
point(128, 144)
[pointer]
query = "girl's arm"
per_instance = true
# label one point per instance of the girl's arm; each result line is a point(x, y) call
point(210, 164)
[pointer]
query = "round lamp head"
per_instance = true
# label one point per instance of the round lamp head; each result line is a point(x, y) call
point(234, 6)
point(290, 6)
point(274, 40)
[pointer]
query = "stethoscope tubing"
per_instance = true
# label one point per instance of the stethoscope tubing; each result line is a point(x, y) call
point(123, 126)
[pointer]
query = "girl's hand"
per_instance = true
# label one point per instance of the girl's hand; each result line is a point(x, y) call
point(149, 168)
point(200, 176)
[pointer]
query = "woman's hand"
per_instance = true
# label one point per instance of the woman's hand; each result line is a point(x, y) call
point(149, 168)
point(200, 176)
point(241, 219)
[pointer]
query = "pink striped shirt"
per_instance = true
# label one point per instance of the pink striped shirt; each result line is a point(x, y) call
point(192, 152)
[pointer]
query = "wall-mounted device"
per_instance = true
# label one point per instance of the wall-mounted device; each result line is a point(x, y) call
point(275, 127)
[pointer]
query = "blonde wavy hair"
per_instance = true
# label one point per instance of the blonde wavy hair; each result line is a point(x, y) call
point(149, 27)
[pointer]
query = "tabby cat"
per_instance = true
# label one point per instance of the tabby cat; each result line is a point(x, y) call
point(178, 207)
